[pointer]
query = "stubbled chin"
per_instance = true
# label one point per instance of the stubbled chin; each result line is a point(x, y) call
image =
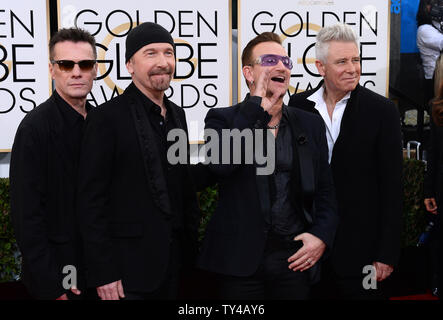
point(161, 85)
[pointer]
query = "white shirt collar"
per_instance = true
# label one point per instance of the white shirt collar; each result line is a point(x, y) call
point(332, 125)
point(317, 96)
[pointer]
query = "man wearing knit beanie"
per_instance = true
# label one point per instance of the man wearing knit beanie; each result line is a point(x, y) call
point(138, 213)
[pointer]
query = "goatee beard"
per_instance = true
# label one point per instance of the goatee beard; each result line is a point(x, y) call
point(162, 85)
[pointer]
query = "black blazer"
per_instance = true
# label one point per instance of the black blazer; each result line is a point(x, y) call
point(123, 202)
point(434, 174)
point(43, 180)
point(235, 236)
point(367, 167)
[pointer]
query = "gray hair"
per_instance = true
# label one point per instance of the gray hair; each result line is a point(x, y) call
point(336, 32)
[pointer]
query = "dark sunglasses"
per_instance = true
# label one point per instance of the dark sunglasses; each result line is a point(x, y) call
point(68, 65)
point(269, 60)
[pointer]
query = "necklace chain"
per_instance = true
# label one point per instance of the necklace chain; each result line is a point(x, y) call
point(274, 127)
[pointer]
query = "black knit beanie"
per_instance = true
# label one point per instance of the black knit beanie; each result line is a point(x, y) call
point(143, 34)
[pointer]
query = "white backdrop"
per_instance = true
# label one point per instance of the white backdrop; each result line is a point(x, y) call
point(298, 21)
point(24, 75)
point(201, 31)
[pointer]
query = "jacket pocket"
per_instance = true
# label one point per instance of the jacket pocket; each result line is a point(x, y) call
point(126, 230)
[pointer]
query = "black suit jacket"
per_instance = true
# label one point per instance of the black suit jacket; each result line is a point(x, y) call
point(434, 174)
point(367, 167)
point(123, 202)
point(43, 185)
point(235, 237)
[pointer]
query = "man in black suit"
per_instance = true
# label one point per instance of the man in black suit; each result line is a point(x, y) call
point(138, 213)
point(43, 172)
point(365, 153)
point(269, 232)
point(433, 191)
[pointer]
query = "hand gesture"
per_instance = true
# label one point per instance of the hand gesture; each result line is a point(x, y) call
point(307, 255)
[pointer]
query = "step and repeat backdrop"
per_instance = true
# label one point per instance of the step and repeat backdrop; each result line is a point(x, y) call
point(203, 35)
point(298, 21)
point(24, 73)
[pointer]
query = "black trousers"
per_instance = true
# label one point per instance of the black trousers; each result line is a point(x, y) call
point(435, 253)
point(439, 236)
point(273, 280)
point(168, 289)
point(334, 287)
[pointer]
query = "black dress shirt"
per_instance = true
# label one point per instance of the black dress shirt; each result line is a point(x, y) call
point(173, 173)
point(286, 219)
point(73, 123)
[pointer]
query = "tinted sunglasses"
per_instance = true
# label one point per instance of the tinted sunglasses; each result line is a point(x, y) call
point(269, 60)
point(68, 65)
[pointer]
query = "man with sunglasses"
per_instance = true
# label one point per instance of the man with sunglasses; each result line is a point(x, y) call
point(138, 212)
point(269, 232)
point(365, 153)
point(43, 172)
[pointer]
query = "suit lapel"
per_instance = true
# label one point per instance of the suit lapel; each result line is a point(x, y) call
point(152, 163)
point(348, 121)
point(303, 162)
point(306, 105)
point(346, 126)
point(301, 100)
point(262, 181)
point(302, 152)
point(57, 137)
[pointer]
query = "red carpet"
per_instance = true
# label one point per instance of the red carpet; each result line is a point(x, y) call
point(425, 296)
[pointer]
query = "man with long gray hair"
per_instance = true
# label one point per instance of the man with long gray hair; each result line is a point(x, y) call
point(365, 153)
